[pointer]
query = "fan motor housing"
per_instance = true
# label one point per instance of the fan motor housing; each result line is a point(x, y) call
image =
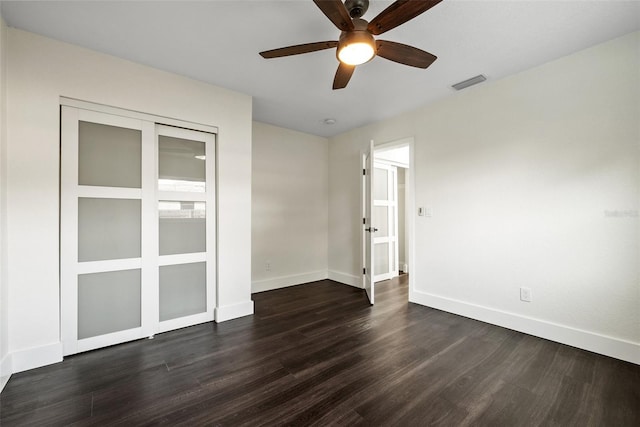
point(356, 8)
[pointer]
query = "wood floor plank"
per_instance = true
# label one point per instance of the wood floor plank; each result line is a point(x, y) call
point(319, 354)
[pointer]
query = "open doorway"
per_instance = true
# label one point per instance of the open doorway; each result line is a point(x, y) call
point(389, 190)
point(392, 205)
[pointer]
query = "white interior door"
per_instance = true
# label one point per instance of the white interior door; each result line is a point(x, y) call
point(368, 229)
point(137, 229)
point(385, 219)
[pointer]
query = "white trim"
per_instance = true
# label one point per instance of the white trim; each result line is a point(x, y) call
point(591, 341)
point(286, 281)
point(5, 370)
point(392, 163)
point(88, 267)
point(410, 225)
point(183, 196)
point(95, 192)
point(174, 259)
point(105, 340)
point(71, 102)
point(394, 144)
point(233, 311)
point(346, 278)
point(183, 322)
point(3, 381)
point(211, 223)
point(149, 233)
point(68, 229)
point(36, 357)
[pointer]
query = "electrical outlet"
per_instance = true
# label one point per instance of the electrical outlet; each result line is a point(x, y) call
point(267, 266)
point(525, 294)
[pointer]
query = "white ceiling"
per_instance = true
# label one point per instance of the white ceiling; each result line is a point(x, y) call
point(218, 42)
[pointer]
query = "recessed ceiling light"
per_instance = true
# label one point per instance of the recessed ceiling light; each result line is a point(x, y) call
point(329, 121)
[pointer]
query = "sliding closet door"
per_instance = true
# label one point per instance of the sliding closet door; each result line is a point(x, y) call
point(186, 227)
point(137, 228)
point(105, 228)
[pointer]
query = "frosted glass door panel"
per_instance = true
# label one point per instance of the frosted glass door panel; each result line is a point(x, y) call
point(380, 190)
point(381, 220)
point(109, 156)
point(108, 229)
point(183, 290)
point(182, 227)
point(181, 164)
point(108, 302)
point(381, 256)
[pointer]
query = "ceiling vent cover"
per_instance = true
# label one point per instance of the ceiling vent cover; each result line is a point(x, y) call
point(469, 82)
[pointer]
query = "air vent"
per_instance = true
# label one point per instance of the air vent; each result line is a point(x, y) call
point(469, 82)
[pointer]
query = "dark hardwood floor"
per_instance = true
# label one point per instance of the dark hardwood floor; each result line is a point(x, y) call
point(318, 354)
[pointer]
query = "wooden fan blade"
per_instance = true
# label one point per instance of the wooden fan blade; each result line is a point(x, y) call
point(343, 75)
point(398, 13)
point(404, 54)
point(298, 49)
point(336, 12)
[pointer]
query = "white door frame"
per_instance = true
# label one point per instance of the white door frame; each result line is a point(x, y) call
point(409, 204)
point(367, 230)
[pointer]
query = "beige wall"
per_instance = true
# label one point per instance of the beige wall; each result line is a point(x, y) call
point(533, 181)
point(290, 191)
point(40, 71)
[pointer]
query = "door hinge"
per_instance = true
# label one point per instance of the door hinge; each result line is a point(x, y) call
point(364, 172)
point(364, 271)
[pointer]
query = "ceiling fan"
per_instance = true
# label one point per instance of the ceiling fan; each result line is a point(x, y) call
point(357, 44)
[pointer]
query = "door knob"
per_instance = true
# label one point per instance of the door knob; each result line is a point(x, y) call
point(371, 229)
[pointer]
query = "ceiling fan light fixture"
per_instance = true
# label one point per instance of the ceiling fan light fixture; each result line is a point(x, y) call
point(357, 44)
point(356, 47)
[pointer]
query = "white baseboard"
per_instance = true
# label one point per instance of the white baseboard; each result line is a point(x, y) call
point(229, 312)
point(4, 379)
point(285, 281)
point(5, 370)
point(602, 344)
point(35, 357)
point(347, 279)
